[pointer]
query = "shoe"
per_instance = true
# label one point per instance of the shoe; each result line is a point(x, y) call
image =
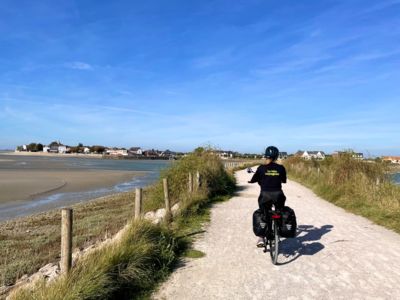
point(260, 242)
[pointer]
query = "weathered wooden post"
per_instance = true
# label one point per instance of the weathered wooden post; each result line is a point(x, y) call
point(378, 181)
point(318, 171)
point(190, 183)
point(138, 203)
point(197, 180)
point(167, 203)
point(66, 240)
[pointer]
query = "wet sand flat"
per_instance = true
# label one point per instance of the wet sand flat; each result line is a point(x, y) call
point(23, 185)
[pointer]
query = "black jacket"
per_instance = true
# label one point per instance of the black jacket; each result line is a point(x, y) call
point(270, 177)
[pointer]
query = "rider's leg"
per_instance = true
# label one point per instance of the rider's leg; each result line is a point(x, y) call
point(264, 206)
point(281, 200)
point(265, 203)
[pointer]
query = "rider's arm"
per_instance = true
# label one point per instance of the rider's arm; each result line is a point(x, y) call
point(283, 175)
point(256, 176)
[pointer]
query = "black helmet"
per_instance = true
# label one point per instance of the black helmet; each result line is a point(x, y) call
point(272, 152)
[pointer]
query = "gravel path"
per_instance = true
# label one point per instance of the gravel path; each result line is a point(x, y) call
point(336, 255)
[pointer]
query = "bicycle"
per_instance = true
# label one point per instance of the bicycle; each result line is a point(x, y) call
point(274, 238)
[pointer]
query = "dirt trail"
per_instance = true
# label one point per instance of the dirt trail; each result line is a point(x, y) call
point(336, 255)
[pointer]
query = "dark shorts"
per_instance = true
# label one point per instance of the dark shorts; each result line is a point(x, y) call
point(266, 199)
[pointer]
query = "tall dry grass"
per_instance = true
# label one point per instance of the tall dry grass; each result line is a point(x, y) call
point(118, 271)
point(358, 186)
point(28, 243)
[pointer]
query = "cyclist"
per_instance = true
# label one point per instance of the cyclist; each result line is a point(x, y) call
point(270, 177)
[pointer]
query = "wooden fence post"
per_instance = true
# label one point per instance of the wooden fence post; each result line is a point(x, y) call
point(138, 203)
point(166, 198)
point(197, 180)
point(318, 171)
point(190, 183)
point(66, 240)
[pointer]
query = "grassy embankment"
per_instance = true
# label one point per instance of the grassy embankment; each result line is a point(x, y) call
point(146, 253)
point(28, 243)
point(358, 186)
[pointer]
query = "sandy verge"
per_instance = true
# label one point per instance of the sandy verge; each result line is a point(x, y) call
point(336, 255)
point(23, 185)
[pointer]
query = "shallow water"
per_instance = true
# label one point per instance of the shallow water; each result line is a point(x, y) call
point(151, 168)
point(396, 178)
point(17, 162)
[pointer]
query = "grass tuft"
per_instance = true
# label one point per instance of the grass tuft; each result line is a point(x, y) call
point(193, 253)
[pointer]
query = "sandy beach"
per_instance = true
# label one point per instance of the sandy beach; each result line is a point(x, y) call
point(28, 185)
point(31, 184)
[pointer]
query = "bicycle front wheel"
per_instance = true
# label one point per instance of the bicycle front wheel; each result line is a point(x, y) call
point(274, 244)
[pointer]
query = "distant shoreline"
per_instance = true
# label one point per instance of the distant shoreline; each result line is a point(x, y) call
point(46, 154)
point(82, 155)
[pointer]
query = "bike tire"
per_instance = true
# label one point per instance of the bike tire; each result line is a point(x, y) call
point(274, 244)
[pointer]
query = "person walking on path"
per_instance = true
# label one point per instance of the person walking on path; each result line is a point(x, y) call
point(270, 177)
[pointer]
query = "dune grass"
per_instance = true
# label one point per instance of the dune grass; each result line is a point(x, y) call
point(143, 256)
point(28, 243)
point(360, 187)
point(131, 268)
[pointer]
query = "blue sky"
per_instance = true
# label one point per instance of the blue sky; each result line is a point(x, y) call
point(239, 75)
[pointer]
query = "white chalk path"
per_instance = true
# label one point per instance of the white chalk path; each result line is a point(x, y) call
point(336, 255)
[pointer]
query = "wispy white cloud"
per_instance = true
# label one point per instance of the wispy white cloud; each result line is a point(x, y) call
point(222, 57)
point(78, 65)
point(379, 6)
point(18, 115)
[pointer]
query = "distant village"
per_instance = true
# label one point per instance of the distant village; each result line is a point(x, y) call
point(112, 152)
point(139, 153)
point(320, 155)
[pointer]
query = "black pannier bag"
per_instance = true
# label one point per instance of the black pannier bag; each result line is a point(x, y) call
point(259, 223)
point(288, 223)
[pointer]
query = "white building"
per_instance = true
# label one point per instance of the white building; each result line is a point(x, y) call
point(318, 155)
point(62, 149)
point(392, 159)
point(136, 150)
point(117, 152)
point(225, 154)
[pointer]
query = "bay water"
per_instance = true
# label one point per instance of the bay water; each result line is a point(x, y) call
point(150, 168)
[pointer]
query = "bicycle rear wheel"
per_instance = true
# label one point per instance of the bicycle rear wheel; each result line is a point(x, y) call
point(274, 244)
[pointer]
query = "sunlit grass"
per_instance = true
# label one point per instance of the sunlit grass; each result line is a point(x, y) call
point(361, 187)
